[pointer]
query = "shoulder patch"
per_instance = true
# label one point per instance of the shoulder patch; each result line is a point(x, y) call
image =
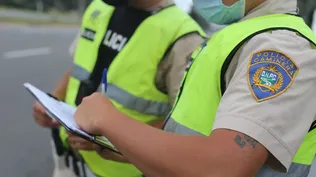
point(270, 73)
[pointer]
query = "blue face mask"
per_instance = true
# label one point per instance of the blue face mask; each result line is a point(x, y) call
point(214, 11)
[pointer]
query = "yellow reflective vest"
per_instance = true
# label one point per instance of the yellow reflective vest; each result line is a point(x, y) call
point(131, 74)
point(194, 114)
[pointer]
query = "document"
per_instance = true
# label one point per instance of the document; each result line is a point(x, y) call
point(64, 114)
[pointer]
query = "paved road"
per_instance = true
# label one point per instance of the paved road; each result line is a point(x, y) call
point(39, 17)
point(29, 54)
point(25, 149)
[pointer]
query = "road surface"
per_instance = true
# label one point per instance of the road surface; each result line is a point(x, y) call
point(38, 55)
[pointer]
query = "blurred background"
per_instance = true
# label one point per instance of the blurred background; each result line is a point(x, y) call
point(69, 11)
point(35, 36)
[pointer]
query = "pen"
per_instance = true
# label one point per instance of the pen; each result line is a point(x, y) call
point(104, 83)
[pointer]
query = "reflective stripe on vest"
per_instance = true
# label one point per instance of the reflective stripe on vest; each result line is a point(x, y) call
point(126, 99)
point(295, 170)
point(194, 113)
point(174, 127)
point(80, 73)
point(132, 102)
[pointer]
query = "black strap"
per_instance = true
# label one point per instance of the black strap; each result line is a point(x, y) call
point(49, 94)
point(123, 23)
point(71, 158)
point(60, 150)
point(297, 15)
point(313, 126)
point(55, 136)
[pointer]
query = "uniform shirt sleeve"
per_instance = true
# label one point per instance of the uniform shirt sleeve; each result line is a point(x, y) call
point(281, 121)
point(171, 68)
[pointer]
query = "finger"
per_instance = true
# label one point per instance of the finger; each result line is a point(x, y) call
point(37, 114)
point(79, 143)
point(76, 139)
point(70, 134)
point(82, 146)
point(104, 151)
point(39, 108)
point(40, 115)
point(42, 123)
point(40, 118)
point(96, 147)
point(107, 154)
point(54, 123)
point(46, 122)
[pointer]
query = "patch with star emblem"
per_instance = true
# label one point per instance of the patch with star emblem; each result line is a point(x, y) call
point(270, 73)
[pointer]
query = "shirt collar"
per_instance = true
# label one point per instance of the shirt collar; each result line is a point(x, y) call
point(273, 7)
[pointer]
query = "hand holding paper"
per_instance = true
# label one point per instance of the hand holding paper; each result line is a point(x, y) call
point(41, 118)
point(94, 111)
point(64, 114)
point(78, 143)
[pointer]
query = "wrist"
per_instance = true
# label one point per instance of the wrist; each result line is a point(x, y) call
point(108, 126)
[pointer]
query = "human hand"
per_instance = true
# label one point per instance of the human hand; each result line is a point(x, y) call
point(77, 143)
point(42, 118)
point(110, 155)
point(94, 113)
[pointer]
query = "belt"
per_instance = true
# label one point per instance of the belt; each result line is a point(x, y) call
point(59, 147)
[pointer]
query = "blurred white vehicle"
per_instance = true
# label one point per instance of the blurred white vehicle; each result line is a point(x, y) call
point(314, 22)
point(186, 5)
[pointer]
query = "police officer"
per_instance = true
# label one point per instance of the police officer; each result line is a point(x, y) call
point(144, 45)
point(245, 107)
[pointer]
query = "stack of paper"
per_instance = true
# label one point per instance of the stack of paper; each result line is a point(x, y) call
point(64, 113)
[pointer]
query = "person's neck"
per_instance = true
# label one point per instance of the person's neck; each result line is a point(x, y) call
point(145, 4)
point(251, 4)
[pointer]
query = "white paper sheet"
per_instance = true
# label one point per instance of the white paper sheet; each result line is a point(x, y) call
point(61, 111)
point(64, 113)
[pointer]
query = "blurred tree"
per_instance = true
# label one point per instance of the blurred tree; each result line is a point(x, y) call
point(45, 5)
point(39, 6)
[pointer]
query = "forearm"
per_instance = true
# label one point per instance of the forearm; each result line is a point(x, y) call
point(158, 153)
point(61, 86)
point(151, 152)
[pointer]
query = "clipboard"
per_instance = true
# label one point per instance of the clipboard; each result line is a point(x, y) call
point(64, 114)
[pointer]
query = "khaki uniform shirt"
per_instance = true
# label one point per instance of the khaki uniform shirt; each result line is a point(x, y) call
point(281, 122)
point(171, 68)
